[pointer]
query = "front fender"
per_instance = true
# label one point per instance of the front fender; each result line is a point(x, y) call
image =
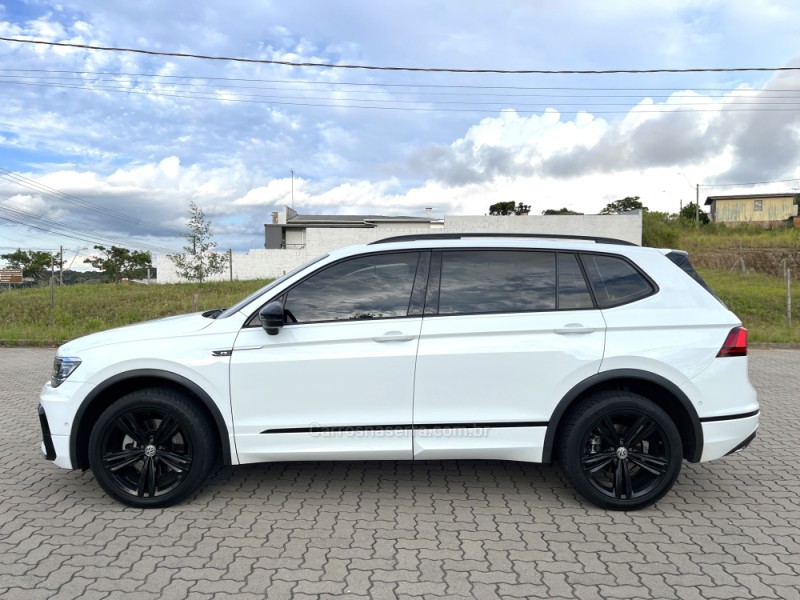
point(126, 381)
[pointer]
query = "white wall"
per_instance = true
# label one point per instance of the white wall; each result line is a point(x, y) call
point(262, 264)
point(626, 227)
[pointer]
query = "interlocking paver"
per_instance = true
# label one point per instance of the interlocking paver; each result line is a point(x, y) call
point(465, 529)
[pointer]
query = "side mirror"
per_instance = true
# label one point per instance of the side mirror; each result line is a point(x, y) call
point(271, 317)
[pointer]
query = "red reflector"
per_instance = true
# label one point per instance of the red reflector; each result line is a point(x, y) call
point(735, 344)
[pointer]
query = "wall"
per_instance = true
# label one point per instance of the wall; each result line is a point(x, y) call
point(626, 227)
point(262, 264)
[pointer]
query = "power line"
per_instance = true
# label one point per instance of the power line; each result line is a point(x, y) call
point(408, 69)
point(200, 88)
point(391, 85)
point(733, 101)
point(74, 200)
point(87, 239)
point(704, 185)
point(761, 98)
point(334, 102)
point(42, 222)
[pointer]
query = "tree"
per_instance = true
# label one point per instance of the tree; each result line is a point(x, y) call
point(688, 214)
point(120, 263)
point(509, 208)
point(621, 206)
point(501, 209)
point(560, 211)
point(522, 209)
point(34, 263)
point(199, 260)
point(659, 230)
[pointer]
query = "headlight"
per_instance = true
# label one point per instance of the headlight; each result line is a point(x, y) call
point(63, 367)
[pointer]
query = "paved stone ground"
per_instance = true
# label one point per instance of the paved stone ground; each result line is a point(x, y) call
point(472, 529)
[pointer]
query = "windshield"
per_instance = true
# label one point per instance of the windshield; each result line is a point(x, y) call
point(242, 303)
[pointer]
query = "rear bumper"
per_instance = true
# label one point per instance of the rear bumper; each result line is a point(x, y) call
point(743, 445)
point(723, 436)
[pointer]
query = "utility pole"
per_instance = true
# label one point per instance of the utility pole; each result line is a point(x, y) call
point(697, 205)
point(61, 267)
point(52, 282)
point(696, 197)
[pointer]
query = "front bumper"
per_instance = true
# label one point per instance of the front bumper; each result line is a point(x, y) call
point(54, 447)
point(48, 449)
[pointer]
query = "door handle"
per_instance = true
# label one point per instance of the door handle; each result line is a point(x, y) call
point(574, 328)
point(394, 336)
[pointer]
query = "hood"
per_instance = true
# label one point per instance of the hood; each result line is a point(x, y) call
point(149, 330)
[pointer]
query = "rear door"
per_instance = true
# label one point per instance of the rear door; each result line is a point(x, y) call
point(506, 334)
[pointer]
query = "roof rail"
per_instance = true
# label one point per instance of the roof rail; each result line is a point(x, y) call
point(460, 236)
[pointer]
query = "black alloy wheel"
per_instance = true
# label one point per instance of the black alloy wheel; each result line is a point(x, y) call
point(621, 451)
point(151, 448)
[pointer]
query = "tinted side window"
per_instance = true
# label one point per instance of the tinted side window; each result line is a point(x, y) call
point(487, 281)
point(572, 290)
point(368, 287)
point(614, 280)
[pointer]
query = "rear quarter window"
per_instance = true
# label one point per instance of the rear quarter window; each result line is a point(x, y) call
point(614, 280)
point(681, 260)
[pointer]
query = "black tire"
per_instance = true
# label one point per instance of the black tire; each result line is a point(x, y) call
point(620, 450)
point(151, 448)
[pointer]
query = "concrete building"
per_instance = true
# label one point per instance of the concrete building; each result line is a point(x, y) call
point(293, 239)
point(289, 230)
point(766, 210)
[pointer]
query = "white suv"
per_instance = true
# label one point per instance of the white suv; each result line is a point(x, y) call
point(615, 360)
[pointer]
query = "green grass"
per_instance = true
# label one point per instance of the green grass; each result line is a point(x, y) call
point(25, 315)
point(745, 236)
point(661, 231)
point(760, 302)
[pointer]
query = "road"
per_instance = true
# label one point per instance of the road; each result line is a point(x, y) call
point(468, 529)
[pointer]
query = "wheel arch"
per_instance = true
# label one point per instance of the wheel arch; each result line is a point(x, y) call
point(663, 392)
point(117, 386)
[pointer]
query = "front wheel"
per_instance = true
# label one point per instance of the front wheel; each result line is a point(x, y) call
point(151, 448)
point(620, 451)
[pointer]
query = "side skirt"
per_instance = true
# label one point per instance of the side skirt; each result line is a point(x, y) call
point(521, 441)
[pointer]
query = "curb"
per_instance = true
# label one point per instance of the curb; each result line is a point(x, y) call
point(774, 345)
point(31, 343)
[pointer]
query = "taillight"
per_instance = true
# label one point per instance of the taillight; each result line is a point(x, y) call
point(735, 344)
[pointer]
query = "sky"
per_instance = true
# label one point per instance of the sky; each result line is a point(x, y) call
point(110, 148)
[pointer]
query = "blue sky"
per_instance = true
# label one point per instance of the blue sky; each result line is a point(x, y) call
point(124, 142)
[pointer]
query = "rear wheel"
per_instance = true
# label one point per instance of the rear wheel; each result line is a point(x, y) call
point(620, 450)
point(151, 448)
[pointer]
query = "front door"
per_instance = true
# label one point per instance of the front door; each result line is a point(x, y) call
point(337, 381)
